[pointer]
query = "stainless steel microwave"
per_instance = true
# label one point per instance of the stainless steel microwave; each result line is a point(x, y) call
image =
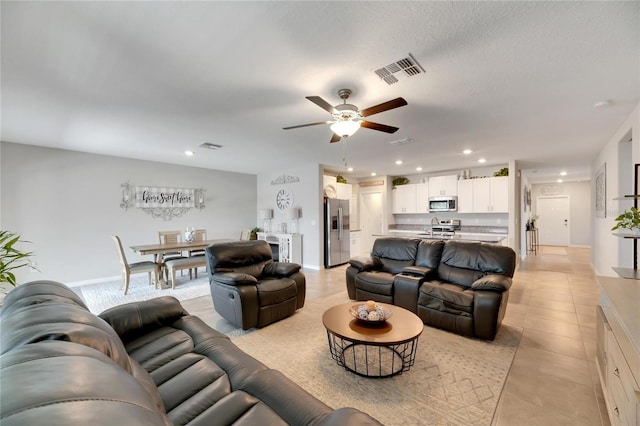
point(443, 204)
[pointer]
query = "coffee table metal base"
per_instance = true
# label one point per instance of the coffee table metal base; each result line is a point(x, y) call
point(369, 360)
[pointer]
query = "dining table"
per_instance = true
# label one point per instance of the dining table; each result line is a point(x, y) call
point(158, 249)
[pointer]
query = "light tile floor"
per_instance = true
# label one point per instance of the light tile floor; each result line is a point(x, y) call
point(553, 379)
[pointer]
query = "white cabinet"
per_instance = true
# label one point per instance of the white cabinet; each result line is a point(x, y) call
point(329, 185)
point(356, 244)
point(403, 199)
point(344, 191)
point(289, 246)
point(491, 195)
point(443, 186)
point(422, 198)
point(465, 196)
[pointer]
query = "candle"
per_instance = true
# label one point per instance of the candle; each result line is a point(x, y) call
point(371, 305)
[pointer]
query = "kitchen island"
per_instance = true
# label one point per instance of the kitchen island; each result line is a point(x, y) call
point(459, 236)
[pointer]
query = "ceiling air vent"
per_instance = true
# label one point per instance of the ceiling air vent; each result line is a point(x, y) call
point(399, 70)
point(210, 145)
point(401, 141)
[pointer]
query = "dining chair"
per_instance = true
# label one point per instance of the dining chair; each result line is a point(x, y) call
point(135, 268)
point(198, 235)
point(169, 237)
point(245, 234)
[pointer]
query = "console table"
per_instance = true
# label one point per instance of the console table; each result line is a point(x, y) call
point(288, 247)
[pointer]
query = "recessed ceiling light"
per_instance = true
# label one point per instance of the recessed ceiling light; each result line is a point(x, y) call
point(482, 160)
point(419, 169)
point(559, 181)
point(188, 153)
point(373, 173)
point(398, 162)
point(563, 173)
point(467, 152)
point(350, 169)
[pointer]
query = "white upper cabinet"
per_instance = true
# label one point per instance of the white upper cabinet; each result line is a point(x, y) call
point(403, 199)
point(422, 198)
point(465, 196)
point(443, 186)
point(491, 195)
point(344, 191)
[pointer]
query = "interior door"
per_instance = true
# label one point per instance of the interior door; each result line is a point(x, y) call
point(370, 218)
point(553, 220)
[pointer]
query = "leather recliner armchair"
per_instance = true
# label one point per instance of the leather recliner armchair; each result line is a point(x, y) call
point(248, 288)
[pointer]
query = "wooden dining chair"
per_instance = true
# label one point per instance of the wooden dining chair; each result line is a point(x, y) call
point(198, 235)
point(169, 237)
point(135, 268)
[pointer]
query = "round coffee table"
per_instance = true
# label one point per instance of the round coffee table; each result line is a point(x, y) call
point(373, 349)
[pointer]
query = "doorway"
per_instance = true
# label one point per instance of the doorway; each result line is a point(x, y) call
point(370, 218)
point(553, 220)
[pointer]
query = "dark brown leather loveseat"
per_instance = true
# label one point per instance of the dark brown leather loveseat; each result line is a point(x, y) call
point(458, 286)
point(146, 363)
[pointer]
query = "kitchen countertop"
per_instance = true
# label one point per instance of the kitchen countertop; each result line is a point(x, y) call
point(460, 236)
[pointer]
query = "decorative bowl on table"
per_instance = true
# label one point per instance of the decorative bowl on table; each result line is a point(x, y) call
point(370, 312)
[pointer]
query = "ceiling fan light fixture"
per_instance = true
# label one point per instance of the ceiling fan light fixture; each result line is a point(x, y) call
point(345, 128)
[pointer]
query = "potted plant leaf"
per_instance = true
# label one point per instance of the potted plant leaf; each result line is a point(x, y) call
point(254, 233)
point(11, 258)
point(399, 180)
point(628, 219)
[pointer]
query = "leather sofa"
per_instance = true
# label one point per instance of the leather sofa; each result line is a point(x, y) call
point(457, 286)
point(248, 288)
point(146, 363)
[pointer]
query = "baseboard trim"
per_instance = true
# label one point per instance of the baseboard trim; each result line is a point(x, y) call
point(93, 281)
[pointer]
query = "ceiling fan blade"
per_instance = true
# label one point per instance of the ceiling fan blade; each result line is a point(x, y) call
point(306, 125)
point(335, 138)
point(394, 103)
point(378, 126)
point(322, 104)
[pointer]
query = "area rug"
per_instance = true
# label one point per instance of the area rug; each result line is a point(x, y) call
point(102, 296)
point(455, 380)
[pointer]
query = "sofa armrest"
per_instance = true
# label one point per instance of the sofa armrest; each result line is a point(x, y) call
point(499, 283)
point(418, 271)
point(365, 263)
point(234, 278)
point(281, 269)
point(132, 318)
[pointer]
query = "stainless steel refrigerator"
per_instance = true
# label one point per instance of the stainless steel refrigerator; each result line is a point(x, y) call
point(336, 232)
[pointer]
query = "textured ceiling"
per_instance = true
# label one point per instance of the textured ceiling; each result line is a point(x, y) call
point(149, 80)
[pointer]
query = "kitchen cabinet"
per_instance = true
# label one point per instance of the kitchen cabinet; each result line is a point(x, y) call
point(491, 195)
point(403, 199)
point(422, 198)
point(443, 186)
point(356, 244)
point(344, 191)
point(465, 196)
point(617, 353)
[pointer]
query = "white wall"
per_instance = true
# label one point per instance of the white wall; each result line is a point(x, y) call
point(579, 204)
point(605, 247)
point(67, 204)
point(307, 197)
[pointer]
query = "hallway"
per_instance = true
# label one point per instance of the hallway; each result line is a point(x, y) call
point(553, 379)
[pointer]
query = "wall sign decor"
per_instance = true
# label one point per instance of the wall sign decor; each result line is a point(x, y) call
point(162, 202)
point(285, 179)
point(601, 191)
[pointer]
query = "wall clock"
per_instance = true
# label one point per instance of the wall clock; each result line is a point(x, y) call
point(284, 199)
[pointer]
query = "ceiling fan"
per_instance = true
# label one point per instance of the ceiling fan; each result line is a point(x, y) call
point(347, 119)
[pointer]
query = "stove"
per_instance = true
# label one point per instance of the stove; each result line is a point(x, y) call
point(447, 226)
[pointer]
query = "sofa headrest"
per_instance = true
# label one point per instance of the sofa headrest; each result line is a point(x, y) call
point(395, 253)
point(429, 253)
point(56, 314)
point(248, 257)
point(464, 262)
